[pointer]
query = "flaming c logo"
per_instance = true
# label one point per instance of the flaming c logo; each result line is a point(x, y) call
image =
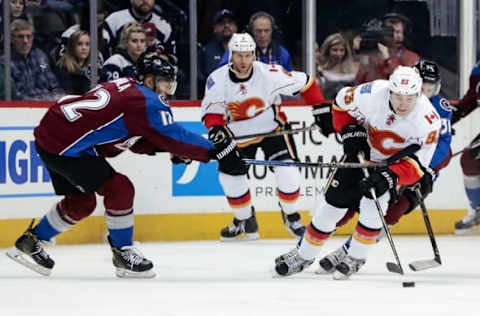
point(246, 109)
point(378, 138)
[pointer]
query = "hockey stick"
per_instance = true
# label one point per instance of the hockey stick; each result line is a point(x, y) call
point(278, 132)
point(276, 163)
point(471, 146)
point(392, 267)
point(420, 265)
point(332, 174)
point(402, 153)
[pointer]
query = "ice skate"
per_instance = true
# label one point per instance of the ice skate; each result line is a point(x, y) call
point(347, 267)
point(246, 229)
point(290, 263)
point(470, 223)
point(29, 252)
point(131, 263)
point(293, 224)
point(329, 263)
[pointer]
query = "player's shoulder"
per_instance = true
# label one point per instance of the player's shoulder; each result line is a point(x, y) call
point(426, 116)
point(152, 99)
point(441, 104)
point(217, 76)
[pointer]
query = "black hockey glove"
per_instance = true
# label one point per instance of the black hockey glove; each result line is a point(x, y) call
point(354, 138)
point(226, 151)
point(323, 118)
point(381, 180)
point(178, 160)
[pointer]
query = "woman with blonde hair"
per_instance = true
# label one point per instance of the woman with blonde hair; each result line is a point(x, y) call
point(73, 68)
point(132, 44)
point(335, 65)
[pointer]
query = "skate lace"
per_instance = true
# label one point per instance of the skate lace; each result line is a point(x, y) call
point(293, 259)
point(337, 256)
point(295, 225)
point(353, 264)
point(38, 248)
point(132, 255)
point(237, 228)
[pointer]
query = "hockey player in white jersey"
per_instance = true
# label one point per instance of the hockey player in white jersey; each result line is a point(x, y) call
point(243, 98)
point(378, 118)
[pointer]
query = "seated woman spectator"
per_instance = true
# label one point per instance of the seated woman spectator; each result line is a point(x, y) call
point(84, 24)
point(335, 65)
point(122, 63)
point(73, 68)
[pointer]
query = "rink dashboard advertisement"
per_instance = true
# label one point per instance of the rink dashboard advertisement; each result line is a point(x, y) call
point(162, 187)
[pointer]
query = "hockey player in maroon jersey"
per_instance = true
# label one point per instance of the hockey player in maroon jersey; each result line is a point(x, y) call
point(470, 159)
point(75, 136)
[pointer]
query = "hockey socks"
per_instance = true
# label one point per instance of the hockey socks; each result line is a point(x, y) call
point(312, 242)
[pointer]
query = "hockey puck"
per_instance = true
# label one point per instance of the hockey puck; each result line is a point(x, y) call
point(408, 284)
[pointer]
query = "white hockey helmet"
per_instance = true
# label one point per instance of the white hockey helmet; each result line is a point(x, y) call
point(405, 80)
point(241, 42)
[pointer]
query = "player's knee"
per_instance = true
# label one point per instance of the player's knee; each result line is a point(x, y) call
point(403, 205)
point(470, 166)
point(78, 206)
point(118, 192)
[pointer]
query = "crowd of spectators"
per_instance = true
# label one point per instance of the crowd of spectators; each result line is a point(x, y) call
point(44, 69)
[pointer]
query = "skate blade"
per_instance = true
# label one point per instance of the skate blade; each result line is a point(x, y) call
point(421, 265)
point(340, 276)
point(468, 231)
point(322, 271)
point(20, 257)
point(128, 274)
point(241, 237)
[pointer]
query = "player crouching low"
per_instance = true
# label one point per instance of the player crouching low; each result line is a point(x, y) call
point(75, 136)
point(407, 200)
point(377, 119)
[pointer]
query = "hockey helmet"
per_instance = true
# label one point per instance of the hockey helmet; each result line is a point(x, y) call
point(428, 70)
point(241, 42)
point(405, 80)
point(153, 64)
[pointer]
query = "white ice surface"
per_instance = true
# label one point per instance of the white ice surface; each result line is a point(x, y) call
point(214, 278)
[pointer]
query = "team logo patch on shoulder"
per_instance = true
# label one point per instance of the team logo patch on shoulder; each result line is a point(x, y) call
point(210, 82)
point(445, 105)
point(366, 88)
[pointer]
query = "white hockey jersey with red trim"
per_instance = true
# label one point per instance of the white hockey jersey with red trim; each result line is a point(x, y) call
point(388, 133)
point(248, 107)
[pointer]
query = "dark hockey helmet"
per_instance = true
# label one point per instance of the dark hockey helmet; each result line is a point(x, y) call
point(428, 71)
point(153, 64)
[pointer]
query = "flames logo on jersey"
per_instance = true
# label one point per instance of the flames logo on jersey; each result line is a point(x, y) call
point(379, 139)
point(246, 109)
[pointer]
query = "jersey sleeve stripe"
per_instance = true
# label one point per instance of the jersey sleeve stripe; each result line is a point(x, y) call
point(407, 170)
point(341, 118)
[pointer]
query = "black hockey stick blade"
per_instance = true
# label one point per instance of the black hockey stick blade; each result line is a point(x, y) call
point(394, 268)
point(421, 265)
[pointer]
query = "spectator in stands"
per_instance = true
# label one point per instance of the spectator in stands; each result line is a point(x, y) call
point(123, 62)
point(84, 25)
point(391, 52)
point(335, 65)
point(31, 72)
point(141, 11)
point(73, 68)
point(262, 27)
point(2, 84)
point(224, 25)
point(17, 9)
